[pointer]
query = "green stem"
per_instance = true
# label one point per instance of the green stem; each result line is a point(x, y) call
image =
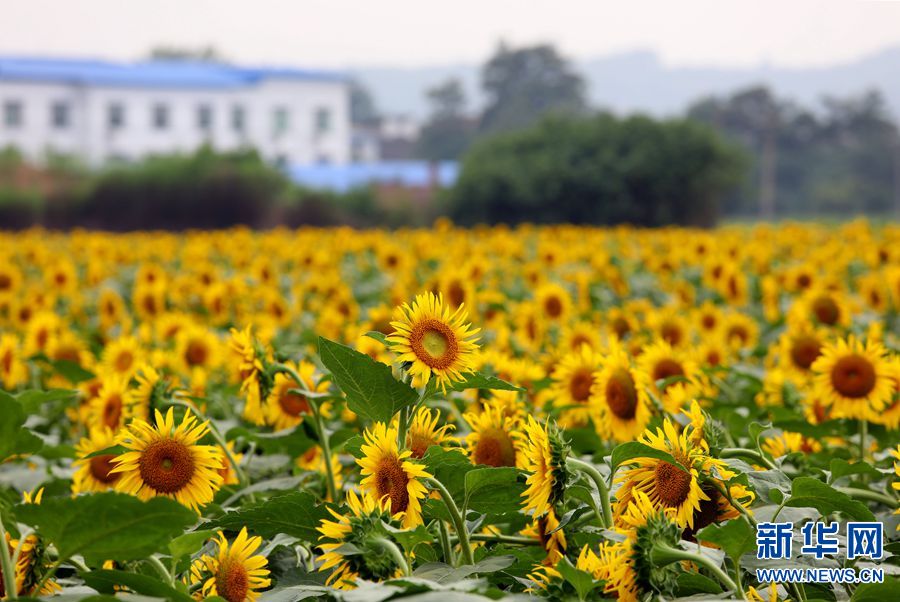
point(736, 505)
point(458, 523)
point(664, 554)
point(403, 428)
point(391, 548)
point(324, 439)
point(871, 496)
point(742, 452)
point(513, 539)
point(446, 550)
point(9, 575)
point(162, 570)
point(863, 432)
point(591, 471)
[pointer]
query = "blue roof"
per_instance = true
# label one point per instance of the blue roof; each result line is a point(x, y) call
point(341, 178)
point(154, 73)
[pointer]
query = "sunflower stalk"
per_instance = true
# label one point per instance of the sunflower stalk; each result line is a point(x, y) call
point(588, 469)
point(863, 433)
point(458, 522)
point(869, 496)
point(220, 440)
point(446, 550)
point(748, 454)
point(391, 548)
point(664, 554)
point(723, 491)
point(157, 564)
point(9, 575)
point(324, 439)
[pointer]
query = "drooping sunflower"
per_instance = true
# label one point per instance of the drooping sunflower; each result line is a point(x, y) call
point(620, 403)
point(668, 487)
point(167, 460)
point(493, 440)
point(388, 472)
point(94, 474)
point(854, 378)
point(573, 385)
point(424, 432)
point(236, 572)
point(432, 341)
point(248, 365)
point(362, 527)
point(544, 459)
point(285, 406)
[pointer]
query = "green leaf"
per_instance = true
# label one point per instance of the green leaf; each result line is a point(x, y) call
point(297, 513)
point(108, 525)
point(807, 492)
point(477, 380)
point(14, 438)
point(113, 450)
point(495, 490)
point(105, 582)
point(410, 538)
point(582, 582)
point(735, 537)
point(634, 449)
point(449, 466)
point(33, 399)
point(71, 371)
point(187, 544)
point(444, 573)
point(878, 592)
point(378, 336)
point(690, 584)
point(842, 468)
point(371, 389)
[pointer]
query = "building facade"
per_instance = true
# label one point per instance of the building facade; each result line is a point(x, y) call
point(101, 111)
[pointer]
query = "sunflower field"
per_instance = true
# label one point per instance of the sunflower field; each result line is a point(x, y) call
point(451, 414)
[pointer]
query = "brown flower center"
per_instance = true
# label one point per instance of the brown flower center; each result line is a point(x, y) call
point(853, 376)
point(112, 411)
point(673, 485)
point(124, 361)
point(101, 467)
point(293, 404)
point(707, 514)
point(667, 368)
point(166, 466)
point(391, 480)
point(671, 333)
point(5, 282)
point(495, 448)
point(621, 394)
point(232, 581)
point(805, 350)
point(456, 294)
point(196, 353)
point(434, 343)
point(580, 384)
point(553, 307)
point(826, 310)
point(620, 327)
point(418, 444)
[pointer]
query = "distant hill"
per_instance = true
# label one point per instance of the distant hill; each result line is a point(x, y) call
point(640, 82)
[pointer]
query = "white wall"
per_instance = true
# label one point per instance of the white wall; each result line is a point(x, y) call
point(90, 137)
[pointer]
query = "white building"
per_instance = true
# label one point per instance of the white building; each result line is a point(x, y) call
point(103, 111)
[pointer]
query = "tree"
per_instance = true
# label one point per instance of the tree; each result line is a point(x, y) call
point(524, 84)
point(597, 170)
point(363, 110)
point(448, 131)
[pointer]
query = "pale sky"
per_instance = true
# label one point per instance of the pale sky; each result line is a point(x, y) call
point(364, 33)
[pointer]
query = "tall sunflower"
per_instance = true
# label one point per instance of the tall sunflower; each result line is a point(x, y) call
point(235, 573)
point(94, 474)
point(424, 432)
point(854, 378)
point(668, 487)
point(493, 440)
point(620, 403)
point(166, 460)
point(388, 472)
point(114, 406)
point(432, 341)
point(544, 459)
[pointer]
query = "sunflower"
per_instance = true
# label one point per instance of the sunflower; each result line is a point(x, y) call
point(573, 385)
point(799, 346)
point(544, 459)
point(94, 474)
point(821, 306)
point(424, 432)
point(663, 363)
point(740, 331)
point(668, 487)
point(854, 378)
point(122, 356)
point(31, 565)
point(285, 407)
point(13, 371)
point(166, 460)
point(789, 442)
point(236, 571)
point(554, 302)
point(432, 342)
point(360, 528)
point(314, 460)
point(493, 440)
point(619, 398)
point(388, 472)
point(196, 347)
point(248, 363)
point(546, 530)
point(114, 406)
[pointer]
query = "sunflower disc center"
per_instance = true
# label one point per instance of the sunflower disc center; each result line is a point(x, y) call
point(826, 310)
point(580, 384)
point(166, 466)
point(805, 351)
point(196, 353)
point(667, 368)
point(673, 485)
point(101, 466)
point(233, 581)
point(621, 394)
point(434, 343)
point(391, 481)
point(495, 448)
point(853, 376)
point(293, 404)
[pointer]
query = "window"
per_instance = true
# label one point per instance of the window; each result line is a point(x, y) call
point(160, 116)
point(59, 115)
point(204, 117)
point(237, 118)
point(115, 116)
point(280, 121)
point(323, 120)
point(12, 114)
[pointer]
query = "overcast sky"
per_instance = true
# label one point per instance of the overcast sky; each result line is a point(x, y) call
point(355, 33)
